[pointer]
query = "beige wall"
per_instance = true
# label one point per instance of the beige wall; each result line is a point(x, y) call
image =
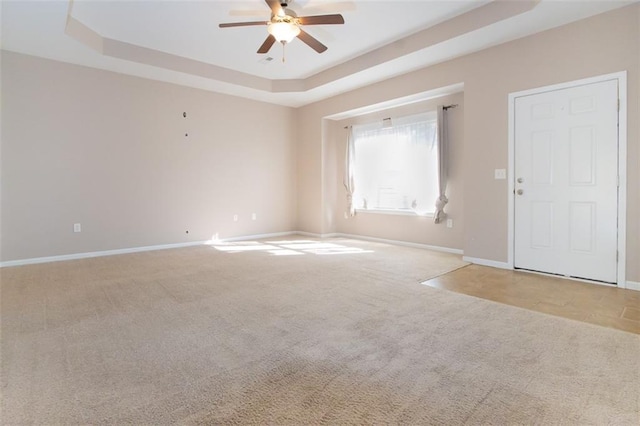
point(109, 151)
point(599, 45)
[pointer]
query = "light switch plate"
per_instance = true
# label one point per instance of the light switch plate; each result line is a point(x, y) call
point(500, 173)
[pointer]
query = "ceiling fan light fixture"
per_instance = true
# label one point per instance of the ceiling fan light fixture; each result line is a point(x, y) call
point(284, 31)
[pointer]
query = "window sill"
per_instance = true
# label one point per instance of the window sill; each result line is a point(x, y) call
point(394, 212)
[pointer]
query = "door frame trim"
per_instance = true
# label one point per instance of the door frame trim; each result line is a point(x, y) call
point(621, 77)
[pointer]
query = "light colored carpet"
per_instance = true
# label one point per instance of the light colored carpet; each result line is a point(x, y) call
point(301, 333)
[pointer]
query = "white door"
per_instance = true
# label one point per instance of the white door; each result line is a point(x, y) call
point(566, 171)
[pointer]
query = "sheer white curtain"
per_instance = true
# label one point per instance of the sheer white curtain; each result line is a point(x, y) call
point(396, 167)
point(348, 181)
point(441, 142)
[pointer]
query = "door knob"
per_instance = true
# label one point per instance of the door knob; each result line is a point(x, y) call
point(520, 192)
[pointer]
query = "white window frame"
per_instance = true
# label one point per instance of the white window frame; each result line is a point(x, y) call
point(431, 117)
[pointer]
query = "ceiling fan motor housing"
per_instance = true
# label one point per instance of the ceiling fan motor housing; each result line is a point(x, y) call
point(284, 26)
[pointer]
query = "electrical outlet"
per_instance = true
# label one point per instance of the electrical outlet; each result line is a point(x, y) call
point(235, 217)
point(449, 223)
point(77, 227)
point(254, 216)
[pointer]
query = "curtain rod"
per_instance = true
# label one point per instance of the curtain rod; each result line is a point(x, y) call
point(446, 107)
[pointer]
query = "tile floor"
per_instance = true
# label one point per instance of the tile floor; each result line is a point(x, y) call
point(607, 306)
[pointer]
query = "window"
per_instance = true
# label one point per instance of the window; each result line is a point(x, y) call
point(396, 168)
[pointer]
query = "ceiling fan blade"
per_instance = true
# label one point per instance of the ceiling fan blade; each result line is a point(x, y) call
point(267, 44)
point(321, 19)
point(275, 7)
point(311, 41)
point(241, 24)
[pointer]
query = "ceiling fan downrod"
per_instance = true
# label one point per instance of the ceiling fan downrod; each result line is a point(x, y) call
point(283, 44)
point(284, 25)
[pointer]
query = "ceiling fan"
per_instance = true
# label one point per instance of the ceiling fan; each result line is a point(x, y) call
point(284, 26)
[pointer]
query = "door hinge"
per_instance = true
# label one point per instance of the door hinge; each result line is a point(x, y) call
point(617, 255)
point(618, 105)
point(618, 181)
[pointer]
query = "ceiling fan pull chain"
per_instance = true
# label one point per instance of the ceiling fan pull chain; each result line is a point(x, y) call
point(283, 44)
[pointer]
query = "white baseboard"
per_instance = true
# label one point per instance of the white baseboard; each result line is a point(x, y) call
point(76, 256)
point(380, 240)
point(314, 235)
point(396, 242)
point(86, 255)
point(632, 285)
point(487, 262)
point(258, 236)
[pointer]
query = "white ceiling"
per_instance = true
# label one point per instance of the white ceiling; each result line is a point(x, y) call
point(180, 41)
point(190, 29)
